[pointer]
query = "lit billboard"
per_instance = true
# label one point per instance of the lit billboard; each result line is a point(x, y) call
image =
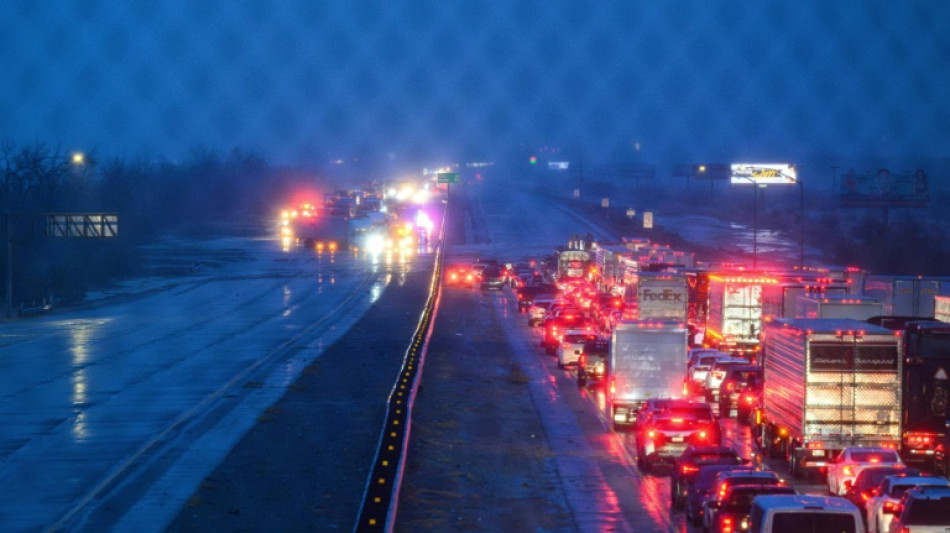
point(764, 173)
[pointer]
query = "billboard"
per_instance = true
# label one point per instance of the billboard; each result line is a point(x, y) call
point(884, 189)
point(763, 174)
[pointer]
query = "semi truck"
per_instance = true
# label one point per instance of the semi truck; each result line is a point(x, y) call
point(313, 226)
point(734, 319)
point(655, 295)
point(780, 300)
point(906, 295)
point(925, 391)
point(828, 384)
point(839, 306)
point(942, 308)
point(646, 360)
point(572, 264)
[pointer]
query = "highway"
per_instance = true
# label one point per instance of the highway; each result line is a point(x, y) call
point(597, 484)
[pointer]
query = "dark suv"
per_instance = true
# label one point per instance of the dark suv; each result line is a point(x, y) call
point(740, 380)
point(492, 278)
point(690, 461)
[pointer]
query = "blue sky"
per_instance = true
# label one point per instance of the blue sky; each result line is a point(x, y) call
point(304, 81)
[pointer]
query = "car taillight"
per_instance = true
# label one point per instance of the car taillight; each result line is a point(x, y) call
point(726, 526)
point(814, 446)
point(890, 507)
point(847, 470)
point(689, 469)
point(865, 496)
point(730, 386)
point(651, 434)
point(749, 399)
point(702, 435)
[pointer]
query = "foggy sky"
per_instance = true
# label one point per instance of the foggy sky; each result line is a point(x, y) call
point(303, 81)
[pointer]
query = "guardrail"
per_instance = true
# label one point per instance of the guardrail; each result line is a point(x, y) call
point(381, 496)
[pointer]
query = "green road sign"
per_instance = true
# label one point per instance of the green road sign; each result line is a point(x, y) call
point(448, 177)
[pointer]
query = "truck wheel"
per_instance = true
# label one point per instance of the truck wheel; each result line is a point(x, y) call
point(742, 415)
point(723, 409)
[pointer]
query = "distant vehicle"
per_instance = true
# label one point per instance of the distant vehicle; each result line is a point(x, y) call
point(728, 479)
point(572, 264)
point(697, 371)
point(572, 346)
point(689, 464)
point(539, 306)
point(459, 276)
point(924, 390)
point(812, 367)
point(527, 294)
point(665, 436)
point(480, 265)
point(804, 514)
point(868, 480)
point(656, 295)
point(555, 328)
point(717, 374)
point(702, 489)
point(646, 361)
point(735, 313)
point(923, 510)
point(651, 407)
point(592, 364)
point(317, 227)
point(853, 459)
point(839, 306)
point(731, 513)
point(739, 380)
point(492, 278)
point(906, 295)
point(885, 500)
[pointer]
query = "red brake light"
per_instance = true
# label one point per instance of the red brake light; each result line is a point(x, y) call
point(890, 506)
point(689, 469)
point(730, 386)
point(847, 470)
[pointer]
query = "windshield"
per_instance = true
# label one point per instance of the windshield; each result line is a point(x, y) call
point(873, 457)
point(925, 511)
point(810, 522)
point(691, 413)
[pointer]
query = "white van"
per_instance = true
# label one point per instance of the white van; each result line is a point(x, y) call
point(804, 514)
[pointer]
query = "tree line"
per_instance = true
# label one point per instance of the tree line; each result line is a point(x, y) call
point(150, 199)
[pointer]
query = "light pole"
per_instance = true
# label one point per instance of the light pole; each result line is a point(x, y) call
point(801, 222)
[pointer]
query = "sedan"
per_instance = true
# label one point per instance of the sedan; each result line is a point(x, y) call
point(887, 496)
point(852, 460)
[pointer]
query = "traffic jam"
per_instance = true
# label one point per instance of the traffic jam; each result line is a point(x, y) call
point(836, 377)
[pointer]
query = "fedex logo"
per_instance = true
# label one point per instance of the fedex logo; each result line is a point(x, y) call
point(666, 295)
